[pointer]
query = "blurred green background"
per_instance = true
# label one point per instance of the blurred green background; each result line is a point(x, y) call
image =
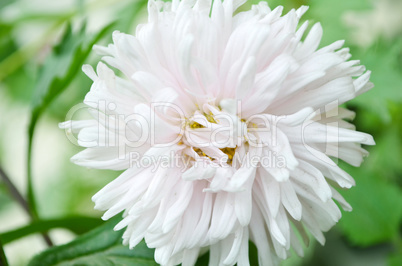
point(40, 80)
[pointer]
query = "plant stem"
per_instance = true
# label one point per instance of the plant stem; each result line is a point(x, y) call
point(30, 193)
point(76, 224)
point(20, 199)
point(14, 191)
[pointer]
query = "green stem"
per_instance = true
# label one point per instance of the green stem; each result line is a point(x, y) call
point(30, 191)
point(76, 224)
point(20, 199)
point(14, 191)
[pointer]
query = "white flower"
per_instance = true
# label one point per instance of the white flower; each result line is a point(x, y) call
point(225, 125)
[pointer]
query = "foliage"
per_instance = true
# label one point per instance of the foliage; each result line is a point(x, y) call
point(36, 74)
point(377, 209)
point(56, 74)
point(76, 224)
point(101, 246)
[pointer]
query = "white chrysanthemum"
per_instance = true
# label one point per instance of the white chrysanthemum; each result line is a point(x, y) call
point(226, 126)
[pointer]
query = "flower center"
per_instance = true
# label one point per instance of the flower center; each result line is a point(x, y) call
point(230, 152)
point(214, 133)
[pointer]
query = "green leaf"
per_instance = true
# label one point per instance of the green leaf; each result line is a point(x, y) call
point(330, 13)
point(62, 65)
point(128, 14)
point(384, 159)
point(253, 253)
point(203, 260)
point(3, 258)
point(395, 260)
point(78, 225)
point(338, 252)
point(15, 82)
point(377, 209)
point(4, 3)
point(384, 60)
point(101, 246)
point(57, 73)
point(6, 43)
